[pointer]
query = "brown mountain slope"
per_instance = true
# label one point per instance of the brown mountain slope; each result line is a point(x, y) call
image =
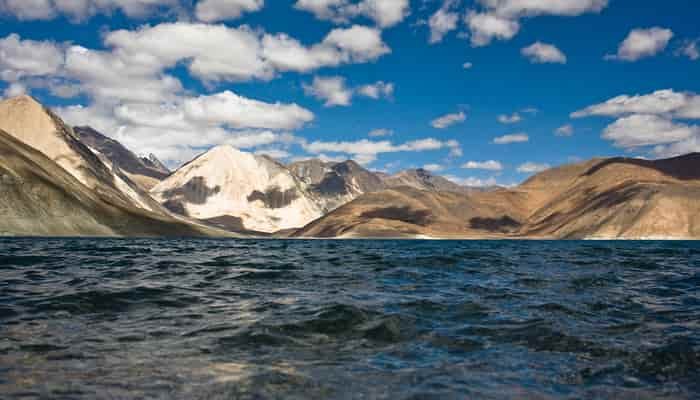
point(621, 197)
point(36, 126)
point(409, 212)
point(600, 198)
point(39, 198)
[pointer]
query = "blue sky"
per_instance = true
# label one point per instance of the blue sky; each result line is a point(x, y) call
point(298, 79)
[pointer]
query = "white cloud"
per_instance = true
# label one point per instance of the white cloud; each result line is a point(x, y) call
point(684, 105)
point(78, 10)
point(108, 77)
point(380, 132)
point(385, 13)
point(20, 58)
point(510, 119)
point(365, 151)
point(689, 48)
point(433, 167)
point(647, 130)
point(277, 154)
point(531, 167)
point(335, 92)
point(642, 43)
point(690, 145)
point(442, 22)
point(206, 50)
point(472, 181)
point(220, 10)
point(651, 120)
point(377, 90)
point(467, 65)
point(455, 148)
point(531, 8)
point(239, 112)
point(14, 89)
point(500, 18)
point(564, 130)
point(512, 138)
point(357, 43)
point(490, 165)
point(485, 27)
point(448, 120)
point(543, 53)
point(332, 90)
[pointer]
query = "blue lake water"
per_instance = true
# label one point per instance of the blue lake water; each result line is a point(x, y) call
point(255, 319)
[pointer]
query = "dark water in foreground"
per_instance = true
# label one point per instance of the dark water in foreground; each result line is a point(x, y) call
point(222, 319)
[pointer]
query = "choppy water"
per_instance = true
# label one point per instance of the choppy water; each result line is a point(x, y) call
point(348, 319)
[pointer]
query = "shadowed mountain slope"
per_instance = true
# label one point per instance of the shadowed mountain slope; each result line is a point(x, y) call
point(147, 172)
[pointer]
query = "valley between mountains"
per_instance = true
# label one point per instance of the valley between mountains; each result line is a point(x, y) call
point(58, 180)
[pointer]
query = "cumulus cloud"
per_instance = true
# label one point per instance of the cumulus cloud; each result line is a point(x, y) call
point(642, 43)
point(78, 10)
point(442, 22)
point(14, 89)
point(564, 130)
point(448, 120)
point(377, 90)
point(239, 112)
point(531, 167)
point(647, 130)
point(490, 165)
point(365, 151)
point(385, 13)
point(332, 90)
point(220, 10)
point(654, 121)
point(20, 58)
point(512, 138)
point(500, 18)
point(206, 50)
point(485, 27)
point(433, 167)
point(689, 48)
point(380, 132)
point(543, 53)
point(510, 119)
point(531, 8)
point(278, 154)
point(472, 181)
point(667, 102)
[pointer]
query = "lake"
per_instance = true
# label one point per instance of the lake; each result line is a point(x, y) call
point(298, 319)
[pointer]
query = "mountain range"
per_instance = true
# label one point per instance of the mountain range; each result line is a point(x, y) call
point(59, 180)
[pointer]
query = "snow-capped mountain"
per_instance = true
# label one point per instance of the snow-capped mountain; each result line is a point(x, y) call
point(224, 181)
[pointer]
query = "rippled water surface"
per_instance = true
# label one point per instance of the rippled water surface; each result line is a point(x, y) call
point(192, 319)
